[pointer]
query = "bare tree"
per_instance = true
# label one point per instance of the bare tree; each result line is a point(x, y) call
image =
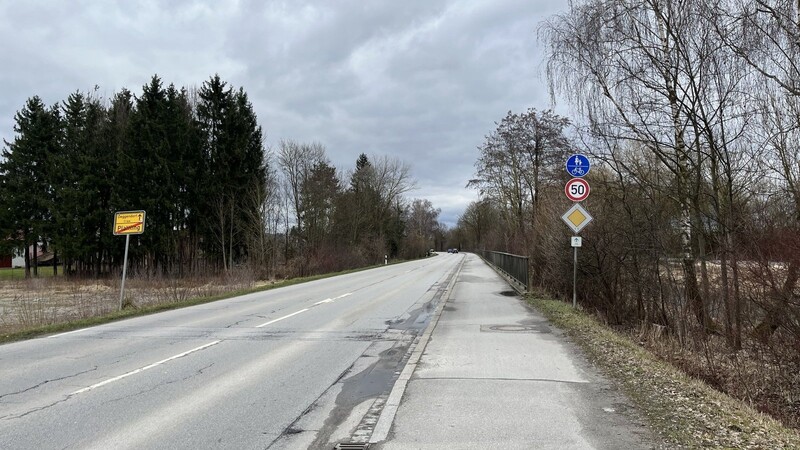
point(422, 227)
point(391, 178)
point(625, 65)
point(479, 220)
point(296, 161)
point(517, 160)
point(766, 35)
point(261, 233)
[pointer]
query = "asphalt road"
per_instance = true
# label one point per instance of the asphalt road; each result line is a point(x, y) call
point(287, 368)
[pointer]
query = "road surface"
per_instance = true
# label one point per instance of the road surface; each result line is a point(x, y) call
point(296, 367)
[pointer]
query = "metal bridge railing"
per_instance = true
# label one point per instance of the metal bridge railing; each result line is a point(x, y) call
point(514, 266)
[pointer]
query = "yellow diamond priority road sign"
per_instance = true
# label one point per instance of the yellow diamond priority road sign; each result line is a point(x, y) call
point(128, 222)
point(576, 218)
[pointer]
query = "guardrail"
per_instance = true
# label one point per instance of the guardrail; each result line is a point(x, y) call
point(515, 266)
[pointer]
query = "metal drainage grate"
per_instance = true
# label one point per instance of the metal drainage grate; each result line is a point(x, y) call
point(351, 446)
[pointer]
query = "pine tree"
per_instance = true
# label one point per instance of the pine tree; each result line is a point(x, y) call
point(234, 166)
point(27, 193)
point(81, 180)
point(215, 103)
point(116, 138)
point(144, 178)
point(185, 162)
point(319, 193)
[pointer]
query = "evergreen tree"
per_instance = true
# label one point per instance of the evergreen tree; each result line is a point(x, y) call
point(214, 105)
point(234, 166)
point(61, 180)
point(116, 138)
point(185, 162)
point(144, 178)
point(70, 205)
point(319, 194)
point(27, 193)
point(82, 181)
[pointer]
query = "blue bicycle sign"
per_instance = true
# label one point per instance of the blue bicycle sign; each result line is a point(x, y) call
point(578, 165)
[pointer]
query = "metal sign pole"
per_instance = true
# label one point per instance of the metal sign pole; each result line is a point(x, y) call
point(577, 189)
point(575, 279)
point(124, 270)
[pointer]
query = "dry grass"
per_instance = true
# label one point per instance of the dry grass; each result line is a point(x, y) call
point(686, 412)
point(30, 308)
point(26, 304)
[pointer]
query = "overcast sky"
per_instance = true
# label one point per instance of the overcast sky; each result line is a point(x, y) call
point(422, 80)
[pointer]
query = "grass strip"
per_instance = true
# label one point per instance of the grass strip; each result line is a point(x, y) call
point(18, 273)
point(131, 312)
point(685, 412)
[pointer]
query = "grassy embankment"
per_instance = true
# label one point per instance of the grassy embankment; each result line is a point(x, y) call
point(685, 412)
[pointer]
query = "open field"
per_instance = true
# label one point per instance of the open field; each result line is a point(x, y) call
point(39, 306)
point(26, 304)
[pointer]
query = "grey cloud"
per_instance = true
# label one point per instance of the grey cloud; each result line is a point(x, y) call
point(421, 80)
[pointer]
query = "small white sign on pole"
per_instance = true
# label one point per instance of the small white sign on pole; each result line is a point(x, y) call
point(576, 241)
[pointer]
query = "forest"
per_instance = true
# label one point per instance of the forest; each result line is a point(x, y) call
point(216, 199)
point(690, 113)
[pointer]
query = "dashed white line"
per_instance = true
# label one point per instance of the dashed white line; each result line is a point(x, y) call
point(281, 318)
point(331, 300)
point(142, 369)
point(322, 302)
point(68, 332)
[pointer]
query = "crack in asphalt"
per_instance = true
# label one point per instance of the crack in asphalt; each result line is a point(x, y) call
point(198, 372)
point(237, 322)
point(310, 408)
point(2, 396)
point(41, 408)
point(69, 396)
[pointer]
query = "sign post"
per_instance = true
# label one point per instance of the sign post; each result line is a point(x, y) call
point(576, 218)
point(574, 277)
point(576, 242)
point(576, 189)
point(127, 223)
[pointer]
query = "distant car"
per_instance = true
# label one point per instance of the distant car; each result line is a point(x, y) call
point(455, 250)
point(449, 250)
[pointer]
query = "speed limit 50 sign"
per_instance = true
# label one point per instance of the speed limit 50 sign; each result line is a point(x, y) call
point(577, 189)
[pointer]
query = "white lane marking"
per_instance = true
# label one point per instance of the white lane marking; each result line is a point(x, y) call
point(327, 300)
point(68, 332)
point(281, 318)
point(142, 369)
point(331, 300)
